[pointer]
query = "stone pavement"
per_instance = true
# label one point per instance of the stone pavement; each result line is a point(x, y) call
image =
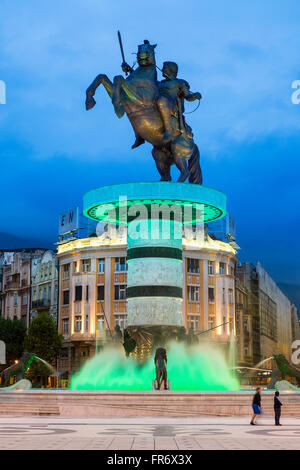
point(211, 433)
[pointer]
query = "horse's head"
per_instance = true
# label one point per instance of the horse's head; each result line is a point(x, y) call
point(146, 54)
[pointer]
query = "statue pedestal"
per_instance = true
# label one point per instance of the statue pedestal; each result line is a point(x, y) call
point(155, 215)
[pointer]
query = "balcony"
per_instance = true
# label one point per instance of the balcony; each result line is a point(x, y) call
point(42, 303)
point(12, 285)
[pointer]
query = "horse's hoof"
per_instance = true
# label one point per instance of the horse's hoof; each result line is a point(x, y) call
point(90, 103)
point(139, 141)
point(119, 110)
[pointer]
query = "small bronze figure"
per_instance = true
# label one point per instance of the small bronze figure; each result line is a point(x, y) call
point(155, 111)
point(160, 361)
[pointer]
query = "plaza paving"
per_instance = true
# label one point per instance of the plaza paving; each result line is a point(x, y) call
point(205, 433)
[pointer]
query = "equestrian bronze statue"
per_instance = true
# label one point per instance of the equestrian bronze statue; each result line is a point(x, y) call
point(155, 110)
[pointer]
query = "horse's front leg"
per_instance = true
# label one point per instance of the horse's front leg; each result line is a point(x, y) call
point(130, 91)
point(100, 79)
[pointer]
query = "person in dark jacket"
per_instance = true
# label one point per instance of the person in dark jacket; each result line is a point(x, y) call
point(277, 408)
point(256, 405)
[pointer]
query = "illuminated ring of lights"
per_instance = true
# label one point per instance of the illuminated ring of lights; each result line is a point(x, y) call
point(106, 198)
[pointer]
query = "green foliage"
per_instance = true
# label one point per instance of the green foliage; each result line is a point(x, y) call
point(44, 341)
point(43, 338)
point(12, 332)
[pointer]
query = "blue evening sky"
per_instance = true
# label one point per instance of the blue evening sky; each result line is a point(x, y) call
point(241, 55)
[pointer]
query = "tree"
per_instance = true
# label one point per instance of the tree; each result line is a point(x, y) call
point(12, 332)
point(44, 341)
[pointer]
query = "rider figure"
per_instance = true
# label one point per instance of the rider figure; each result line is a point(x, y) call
point(172, 93)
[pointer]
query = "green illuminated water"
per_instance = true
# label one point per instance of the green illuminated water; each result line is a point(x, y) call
point(193, 368)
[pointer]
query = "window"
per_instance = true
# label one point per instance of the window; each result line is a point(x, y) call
point(86, 323)
point(230, 296)
point(78, 293)
point(100, 292)
point(193, 265)
point(87, 293)
point(100, 323)
point(86, 265)
point(211, 294)
point(15, 300)
point(121, 321)
point(75, 266)
point(222, 268)
point(224, 298)
point(193, 293)
point(65, 325)
point(66, 297)
point(211, 270)
point(66, 271)
point(120, 292)
point(64, 353)
point(24, 300)
point(211, 322)
point(78, 323)
point(231, 270)
point(194, 322)
point(101, 265)
point(120, 264)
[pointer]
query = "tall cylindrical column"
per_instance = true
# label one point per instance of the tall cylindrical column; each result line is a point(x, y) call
point(154, 280)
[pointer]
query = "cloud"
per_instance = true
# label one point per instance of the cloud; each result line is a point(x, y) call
point(242, 57)
point(241, 62)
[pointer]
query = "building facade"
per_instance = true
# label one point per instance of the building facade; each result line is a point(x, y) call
point(44, 285)
point(92, 292)
point(295, 323)
point(264, 316)
point(16, 285)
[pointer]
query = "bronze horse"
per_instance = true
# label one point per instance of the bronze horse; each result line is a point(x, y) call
point(138, 96)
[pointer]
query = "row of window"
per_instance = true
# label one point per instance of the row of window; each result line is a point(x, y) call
point(84, 266)
point(101, 324)
point(120, 293)
point(194, 323)
point(193, 267)
point(193, 293)
point(15, 296)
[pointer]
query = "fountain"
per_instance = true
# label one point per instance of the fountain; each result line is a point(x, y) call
point(196, 367)
point(18, 370)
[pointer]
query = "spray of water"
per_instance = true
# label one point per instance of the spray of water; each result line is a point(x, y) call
point(232, 351)
point(45, 362)
point(200, 367)
point(259, 364)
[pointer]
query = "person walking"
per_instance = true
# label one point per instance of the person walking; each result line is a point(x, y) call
point(256, 405)
point(277, 408)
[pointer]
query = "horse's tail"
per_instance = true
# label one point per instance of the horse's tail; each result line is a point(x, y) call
point(194, 167)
